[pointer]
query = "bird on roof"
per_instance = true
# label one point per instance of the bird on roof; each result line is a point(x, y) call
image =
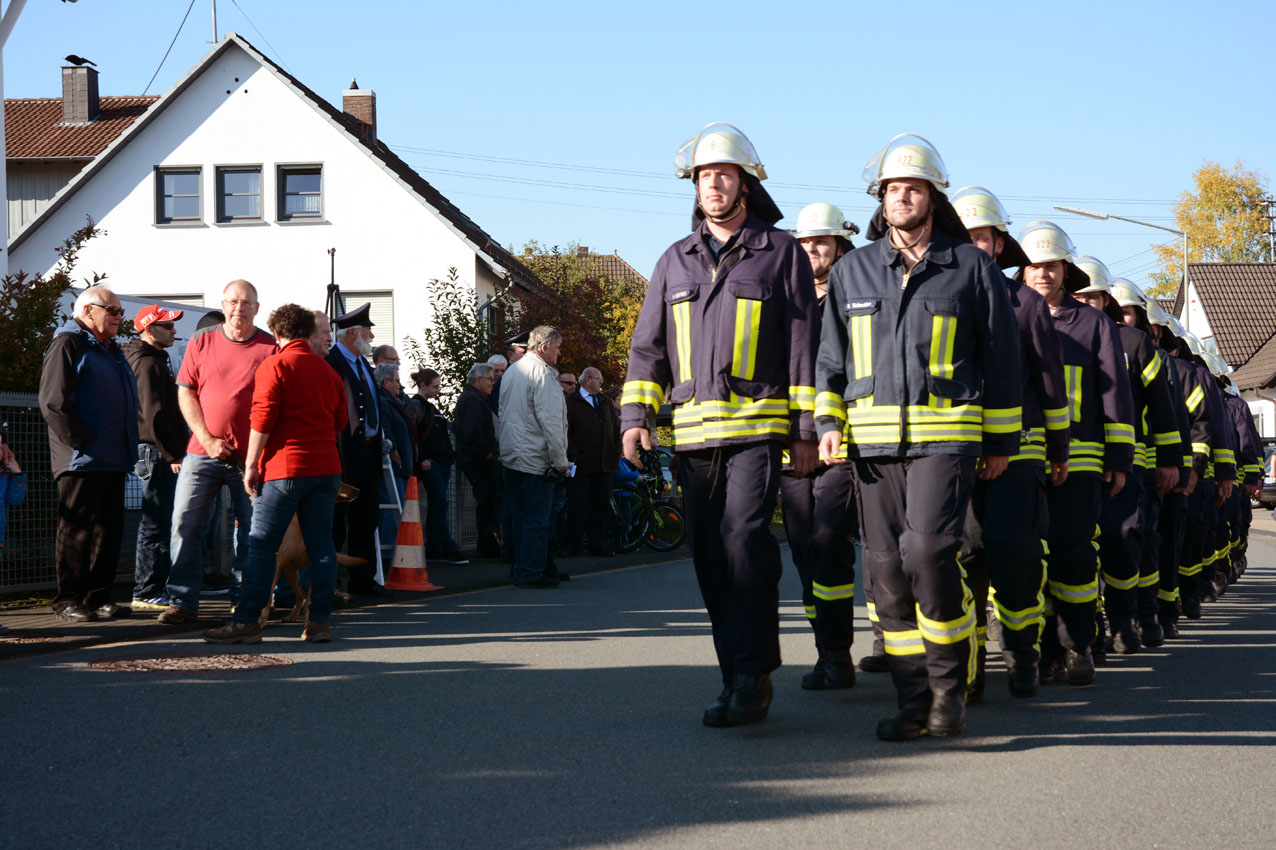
point(79, 60)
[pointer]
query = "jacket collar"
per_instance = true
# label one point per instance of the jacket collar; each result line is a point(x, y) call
point(940, 251)
point(1068, 310)
point(753, 234)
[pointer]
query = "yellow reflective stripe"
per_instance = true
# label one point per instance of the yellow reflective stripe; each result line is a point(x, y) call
point(1120, 583)
point(1194, 398)
point(830, 404)
point(903, 643)
point(947, 631)
point(1152, 369)
point(801, 398)
point(943, 337)
point(1149, 580)
point(682, 335)
point(872, 613)
point(1165, 438)
point(1056, 418)
point(1003, 420)
point(1118, 432)
point(1167, 595)
point(748, 317)
point(642, 392)
point(1072, 378)
point(694, 411)
point(1189, 571)
point(1224, 456)
point(1201, 449)
point(1075, 593)
point(861, 328)
point(1019, 620)
point(833, 592)
point(810, 611)
point(723, 429)
point(1140, 456)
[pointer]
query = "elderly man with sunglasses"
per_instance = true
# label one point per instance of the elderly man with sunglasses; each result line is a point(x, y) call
point(88, 397)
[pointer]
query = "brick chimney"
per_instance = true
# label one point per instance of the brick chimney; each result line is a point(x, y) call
point(361, 105)
point(79, 94)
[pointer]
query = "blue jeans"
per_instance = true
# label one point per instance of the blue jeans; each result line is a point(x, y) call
point(197, 484)
point(530, 498)
point(438, 538)
point(312, 501)
point(155, 528)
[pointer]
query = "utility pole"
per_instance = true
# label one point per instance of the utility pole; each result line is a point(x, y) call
point(1271, 228)
point(7, 22)
point(214, 21)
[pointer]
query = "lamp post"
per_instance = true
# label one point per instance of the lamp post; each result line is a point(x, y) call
point(1179, 233)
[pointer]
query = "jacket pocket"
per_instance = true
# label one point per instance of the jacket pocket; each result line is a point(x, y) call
point(683, 392)
point(752, 389)
point(859, 313)
point(750, 304)
point(679, 300)
point(949, 390)
point(941, 358)
point(859, 388)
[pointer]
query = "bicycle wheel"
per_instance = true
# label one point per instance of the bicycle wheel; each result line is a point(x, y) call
point(627, 525)
point(667, 531)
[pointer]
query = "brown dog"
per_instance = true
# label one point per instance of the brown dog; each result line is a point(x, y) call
point(292, 559)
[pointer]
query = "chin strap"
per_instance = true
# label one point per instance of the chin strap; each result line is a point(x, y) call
point(922, 232)
point(739, 208)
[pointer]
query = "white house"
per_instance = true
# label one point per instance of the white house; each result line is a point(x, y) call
point(241, 171)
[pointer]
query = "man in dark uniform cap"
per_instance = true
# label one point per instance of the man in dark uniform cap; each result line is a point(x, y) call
point(515, 347)
point(353, 523)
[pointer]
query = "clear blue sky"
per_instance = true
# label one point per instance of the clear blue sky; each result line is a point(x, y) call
point(1109, 106)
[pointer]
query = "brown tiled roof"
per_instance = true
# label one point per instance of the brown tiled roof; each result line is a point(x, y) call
point(615, 268)
point(1260, 370)
point(1238, 299)
point(1166, 304)
point(33, 127)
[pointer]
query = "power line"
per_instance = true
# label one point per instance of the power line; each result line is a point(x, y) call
point(170, 46)
point(273, 51)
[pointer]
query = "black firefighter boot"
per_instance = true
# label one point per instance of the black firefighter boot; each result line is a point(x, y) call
point(834, 670)
point(1125, 639)
point(750, 699)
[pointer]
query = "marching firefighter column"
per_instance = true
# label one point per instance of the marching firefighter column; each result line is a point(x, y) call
point(729, 322)
point(1249, 464)
point(1008, 518)
point(1101, 450)
point(819, 509)
point(918, 374)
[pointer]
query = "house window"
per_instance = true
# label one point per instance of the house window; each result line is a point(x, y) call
point(177, 195)
point(382, 313)
point(300, 192)
point(239, 194)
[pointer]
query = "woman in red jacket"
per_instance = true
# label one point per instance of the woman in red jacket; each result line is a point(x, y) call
point(293, 467)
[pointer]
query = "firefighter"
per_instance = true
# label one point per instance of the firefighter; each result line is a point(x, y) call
point(1249, 459)
point(819, 510)
point(729, 326)
point(1101, 449)
point(1247, 449)
point(1008, 520)
point(918, 376)
point(1157, 445)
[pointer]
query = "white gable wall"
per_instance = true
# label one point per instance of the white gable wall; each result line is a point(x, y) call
point(1194, 319)
point(386, 239)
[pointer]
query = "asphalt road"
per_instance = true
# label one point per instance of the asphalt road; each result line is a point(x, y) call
point(509, 718)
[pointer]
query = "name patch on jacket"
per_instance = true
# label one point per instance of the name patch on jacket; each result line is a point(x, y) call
point(859, 305)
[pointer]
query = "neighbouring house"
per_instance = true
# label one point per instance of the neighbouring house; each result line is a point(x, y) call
point(240, 171)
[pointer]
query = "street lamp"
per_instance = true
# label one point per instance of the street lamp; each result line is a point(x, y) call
point(1106, 216)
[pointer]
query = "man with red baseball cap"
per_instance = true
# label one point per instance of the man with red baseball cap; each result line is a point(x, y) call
point(162, 437)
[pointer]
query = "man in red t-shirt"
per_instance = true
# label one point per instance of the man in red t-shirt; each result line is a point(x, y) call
point(215, 393)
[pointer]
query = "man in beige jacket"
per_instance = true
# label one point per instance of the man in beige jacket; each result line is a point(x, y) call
point(533, 438)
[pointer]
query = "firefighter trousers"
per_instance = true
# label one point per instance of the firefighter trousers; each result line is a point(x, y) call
point(1150, 562)
point(1072, 564)
point(1198, 540)
point(1173, 531)
point(728, 500)
point(820, 523)
point(1005, 524)
point(911, 517)
point(1121, 524)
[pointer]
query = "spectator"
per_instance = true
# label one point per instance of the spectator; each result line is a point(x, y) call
point(13, 487)
point(401, 449)
point(515, 348)
point(479, 456)
point(163, 435)
point(354, 523)
point(435, 457)
point(88, 396)
point(215, 393)
point(533, 441)
point(593, 444)
point(321, 339)
point(292, 468)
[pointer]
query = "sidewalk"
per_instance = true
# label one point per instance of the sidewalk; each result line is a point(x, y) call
point(34, 629)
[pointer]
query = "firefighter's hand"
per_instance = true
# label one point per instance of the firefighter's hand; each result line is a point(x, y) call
point(1252, 490)
point(830, 444)
point(1058, 473)
point(629, 444)
point(992, 466)
point(1192, 477)
point(805, 455)
point(1167, 478)
point(1224, 491)
point(1118, 481)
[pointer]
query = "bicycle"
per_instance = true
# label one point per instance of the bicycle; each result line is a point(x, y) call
point(639, 514)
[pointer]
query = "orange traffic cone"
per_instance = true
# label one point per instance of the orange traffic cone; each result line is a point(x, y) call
point(407, 570)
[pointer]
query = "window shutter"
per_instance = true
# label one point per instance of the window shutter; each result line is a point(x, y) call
point(382, 313)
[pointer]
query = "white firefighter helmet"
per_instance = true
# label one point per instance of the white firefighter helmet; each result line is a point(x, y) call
point(1231, 388)
point(823, 220)
point(1156, 315)
point(1100, 277)
point(717, 142)
point(1127, 294)
point(1045, 241)
point(1193, 344)
point(1216, 362)
point(1176, 328)
point(980, 208)
point(907, 155)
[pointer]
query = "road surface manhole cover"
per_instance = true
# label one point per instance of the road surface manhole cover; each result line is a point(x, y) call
point(190, 662)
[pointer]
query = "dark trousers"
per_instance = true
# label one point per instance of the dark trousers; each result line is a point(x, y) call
point(1150, 563)
point(1072, 565)
point(530, 497)
point(870, 602)
point(820, 522)
point(90, 528)
point(1121, 524)
point(587, 508)
point(485, 482)
point(1198, 539)
point(1172, 528)
point(729, 498)
point(354, 523)
point(152, 561)
point(911, 517)
point(1005, 525)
